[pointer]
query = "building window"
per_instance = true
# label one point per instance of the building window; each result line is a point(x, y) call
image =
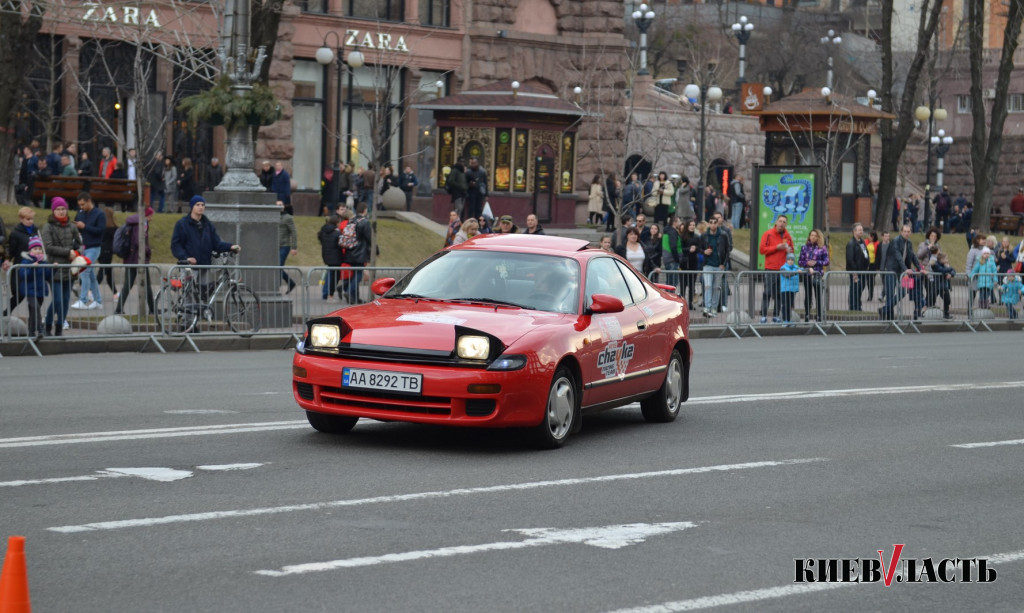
point(308, 120)
point(963, 104)
point(372, 90)
point(384, 10)
point(312, 6)
point(1016, 103)
point(434, 12)
point(425, 167)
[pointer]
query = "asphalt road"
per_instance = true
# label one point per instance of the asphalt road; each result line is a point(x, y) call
point(192, 483)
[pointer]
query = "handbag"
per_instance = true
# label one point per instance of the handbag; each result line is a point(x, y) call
point(1018, 266)
point(907, 282)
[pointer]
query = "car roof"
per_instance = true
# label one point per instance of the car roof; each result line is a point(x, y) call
point(532, 242)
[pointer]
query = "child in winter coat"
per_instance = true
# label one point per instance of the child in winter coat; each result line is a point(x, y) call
point(789, 285)
point(1012, 289)
point(34, 278)
point(984, 273)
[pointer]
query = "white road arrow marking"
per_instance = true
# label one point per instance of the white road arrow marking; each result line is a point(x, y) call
point(608, 537)
point(151, 473)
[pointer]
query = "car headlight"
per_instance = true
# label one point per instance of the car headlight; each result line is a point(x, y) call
point(473, 347)
point(508, 362)
point(324, 335)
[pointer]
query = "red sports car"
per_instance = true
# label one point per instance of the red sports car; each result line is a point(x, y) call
point(500, 331)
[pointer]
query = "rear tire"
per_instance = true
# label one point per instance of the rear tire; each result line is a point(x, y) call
point(331, 424)
point(664, 406)
point(561, 413)
point(242, 310)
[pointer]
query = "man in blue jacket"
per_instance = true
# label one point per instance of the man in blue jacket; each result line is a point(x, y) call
point(195, 239)
point(91, 223)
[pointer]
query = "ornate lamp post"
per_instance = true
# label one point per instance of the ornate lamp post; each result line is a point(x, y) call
point(931, 115)
point(742, 30)
point(643, 19)
point(941, 142)
point(831, 39)
point(324, 56)
point(704, 93)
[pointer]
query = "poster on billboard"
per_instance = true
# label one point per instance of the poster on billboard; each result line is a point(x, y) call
point(793, 191)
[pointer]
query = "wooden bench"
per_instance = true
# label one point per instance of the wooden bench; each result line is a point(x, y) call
point(102, 190)
point(1005, 223)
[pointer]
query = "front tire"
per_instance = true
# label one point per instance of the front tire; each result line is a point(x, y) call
point(242, 310)
point(664, 406)
point(561, 413)
point(331, 424)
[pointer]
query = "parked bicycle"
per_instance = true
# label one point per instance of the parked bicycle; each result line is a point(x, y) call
point(186, 299)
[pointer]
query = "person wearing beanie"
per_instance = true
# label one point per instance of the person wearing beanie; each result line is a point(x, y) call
point(984, 275)
point(132, 259)
point(17, 243)
point(195, 238)
point(62, 243)
point(33, 278)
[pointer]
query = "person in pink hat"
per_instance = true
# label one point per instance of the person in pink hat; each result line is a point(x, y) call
point(62, 243)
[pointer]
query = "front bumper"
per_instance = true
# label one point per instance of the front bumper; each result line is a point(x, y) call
point(445, 398)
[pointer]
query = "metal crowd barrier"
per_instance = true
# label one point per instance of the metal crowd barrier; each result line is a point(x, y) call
point(218, 305)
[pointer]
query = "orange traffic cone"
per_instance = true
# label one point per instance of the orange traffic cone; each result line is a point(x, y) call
point(14, 579)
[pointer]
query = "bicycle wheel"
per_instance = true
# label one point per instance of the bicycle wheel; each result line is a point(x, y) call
point(242, 309)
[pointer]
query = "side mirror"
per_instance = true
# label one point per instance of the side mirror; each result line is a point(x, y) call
point(668, 288)
point(605, 303)
point(381, 286)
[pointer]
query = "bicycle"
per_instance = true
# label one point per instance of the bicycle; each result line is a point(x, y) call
point(185, 300)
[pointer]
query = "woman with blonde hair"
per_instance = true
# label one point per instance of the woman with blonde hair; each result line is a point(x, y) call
point(813, 259)
point(467, 230)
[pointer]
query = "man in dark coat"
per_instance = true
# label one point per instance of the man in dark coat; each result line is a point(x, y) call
point(900, 258)
point(476, 181)
point(331, 253)
point(856, 262)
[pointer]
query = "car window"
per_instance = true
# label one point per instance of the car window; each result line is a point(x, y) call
point(543, 282)
point(604, 277)
point(636, 286)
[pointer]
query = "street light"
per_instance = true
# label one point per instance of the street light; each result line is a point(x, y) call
point(643, 19)
point(941, 142)
point(931, 115)
point(742, 30)
point(324, 56)
point(703, 93)
point(831, 39)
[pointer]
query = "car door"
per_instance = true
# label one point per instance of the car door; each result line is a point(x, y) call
point(611, 352)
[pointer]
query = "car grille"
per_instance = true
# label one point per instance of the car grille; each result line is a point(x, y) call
point(480, 407)
point(305, 390)
point(385, 401)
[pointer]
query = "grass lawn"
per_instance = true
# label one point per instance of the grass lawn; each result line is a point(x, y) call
point(401, 243)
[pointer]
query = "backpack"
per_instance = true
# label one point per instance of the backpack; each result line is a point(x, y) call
point(122, 242)
point(348, 239)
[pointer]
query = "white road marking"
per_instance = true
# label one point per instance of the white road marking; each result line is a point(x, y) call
point(782, 591)
point(809, 395)
point(132, 435)
point(245, 466)
point(150, 473)
point(129, 435)
point(199, 412)
point(608, 537)
point(146, 522)
point(1019, 441)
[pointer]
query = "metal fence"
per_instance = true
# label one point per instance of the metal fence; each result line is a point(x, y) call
point(160, 302)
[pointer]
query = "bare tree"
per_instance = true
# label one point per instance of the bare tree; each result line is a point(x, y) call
point(987, 148)
point(20, 22)
point(896, 133)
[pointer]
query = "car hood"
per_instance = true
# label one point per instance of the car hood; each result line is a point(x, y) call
point(430, 325)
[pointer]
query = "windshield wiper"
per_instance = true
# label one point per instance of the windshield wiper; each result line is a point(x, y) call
point(493, 301)
point(414, 296)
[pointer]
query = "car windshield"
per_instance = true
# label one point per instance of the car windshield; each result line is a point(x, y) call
point(530, 281)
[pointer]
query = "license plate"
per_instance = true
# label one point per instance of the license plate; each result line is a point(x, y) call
point(382, 380)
